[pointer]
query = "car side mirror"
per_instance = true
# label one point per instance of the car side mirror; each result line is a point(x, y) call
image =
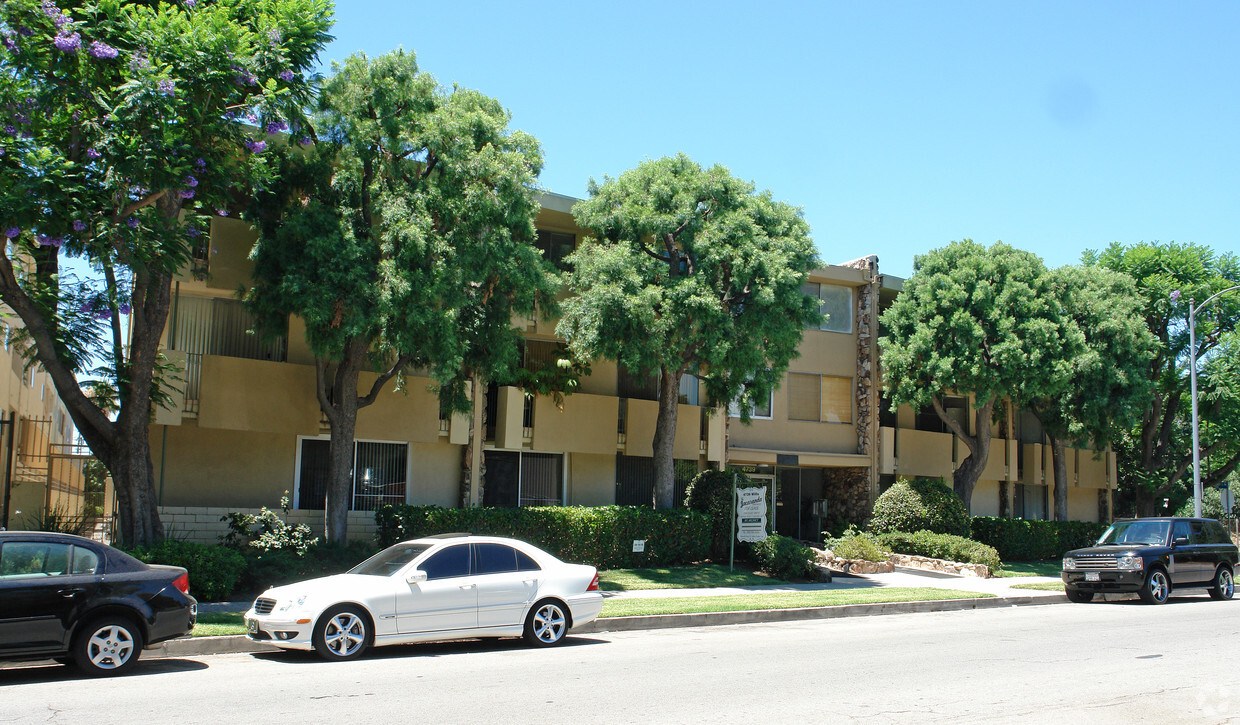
point(415, 576)
point(1180, 541)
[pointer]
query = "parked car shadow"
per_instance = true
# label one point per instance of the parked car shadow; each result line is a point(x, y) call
point(20, 673)
point(429, 649)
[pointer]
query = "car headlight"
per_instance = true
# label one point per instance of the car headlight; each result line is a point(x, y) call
point(1069, 563)
point(1128, 562)
point(292, 603)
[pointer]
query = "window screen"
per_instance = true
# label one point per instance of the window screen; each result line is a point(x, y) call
point(837, 399)
point(803, 396)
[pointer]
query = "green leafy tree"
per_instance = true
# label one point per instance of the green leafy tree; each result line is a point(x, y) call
point(1106, 351)
point(403, 237)
point(1156, 456)
point(119, 128)
point(972, 320)
point(689, 271)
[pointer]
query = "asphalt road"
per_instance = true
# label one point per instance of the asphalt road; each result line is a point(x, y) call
point(1119, 662)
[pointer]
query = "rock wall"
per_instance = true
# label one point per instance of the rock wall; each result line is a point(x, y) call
point(867, 329)
point(848, 493)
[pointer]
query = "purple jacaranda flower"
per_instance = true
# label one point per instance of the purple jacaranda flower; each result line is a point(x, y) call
point(100, 49)
point(22, 118)
point(46, 240)
point(124, 309)
point(244, 77)
point(276, 127)
point(10, 130)
point(87, 307)
point(93, 153)
point(61, 21)
point(168, 87)
point(27, 32)
point(79, 225)
point(193, 232)
point(221, 212)
point(1175, 295)
point(287, 75)
point(12, 232)
point(199, 163)
point(305, 141)
point(103, 314)
point(50, 9)
point(67, 42)
point(190, 4)
point(7, 41)
point(256, 147)
point(191, 182)
point(32, 102)
point(230, 115)
point(274, 35)
point(187, 193)
point(132, 222)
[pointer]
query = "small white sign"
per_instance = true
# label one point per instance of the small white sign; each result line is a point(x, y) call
point(639, 545)
point(751, 514)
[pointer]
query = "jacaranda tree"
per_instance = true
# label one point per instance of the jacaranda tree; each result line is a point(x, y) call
point(122, 127)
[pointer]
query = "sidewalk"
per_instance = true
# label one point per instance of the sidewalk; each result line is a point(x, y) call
point(999, 587)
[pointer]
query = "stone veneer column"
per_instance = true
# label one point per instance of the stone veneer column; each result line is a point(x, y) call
point(866, 389)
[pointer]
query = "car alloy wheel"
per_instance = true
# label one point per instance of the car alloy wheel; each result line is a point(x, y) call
point(546, 624)
point(1157, 587)
point(1224, 585)
point(108, 647)
point(341, 634)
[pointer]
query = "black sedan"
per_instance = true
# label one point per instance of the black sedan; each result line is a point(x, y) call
point(70, 598)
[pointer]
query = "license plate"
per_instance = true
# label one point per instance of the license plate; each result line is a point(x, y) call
point(1091, 576)
point(251, 626)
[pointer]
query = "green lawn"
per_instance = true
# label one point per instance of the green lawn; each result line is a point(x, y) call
point(219, 624)
point(1043, 586)
point(681, 577)
point(1049, 567)
point(741, 602)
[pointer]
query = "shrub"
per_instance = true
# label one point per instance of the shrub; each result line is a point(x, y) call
point(1021, 540)
point(856, 545)
point(783, 557)
point(1211, 505)
point(599, 535)
point(213, 570)
point(710, 492)
point(922, 504)
point(275, 567)
point(941, 546)
point(266, 531)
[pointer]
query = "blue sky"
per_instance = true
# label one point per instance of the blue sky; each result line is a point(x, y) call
point(898, 127)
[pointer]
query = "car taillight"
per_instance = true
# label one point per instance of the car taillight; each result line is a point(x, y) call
point(182, 583)
point(593, 584)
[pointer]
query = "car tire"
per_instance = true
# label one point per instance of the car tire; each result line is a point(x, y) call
point(107, 646)
point(342, 633)
point(1079, 596)
point(547, 623)
point(1157, 587)
point(1224, 583)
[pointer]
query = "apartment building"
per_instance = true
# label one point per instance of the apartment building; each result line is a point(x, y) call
point(40, 459)
point(247, 426)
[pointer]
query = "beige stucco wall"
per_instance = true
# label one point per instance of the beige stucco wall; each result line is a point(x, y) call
point(436, 474)
point(214, 467)
point(257, 395)
point(591, 479)
point(602, 380)
point(1091, 471)
point(228, 261)
point(586, 425)
point(408, 415)
point(1082, 504)
point(985, 500)
point(640, 421)
point(996, 460)
point(922, 453)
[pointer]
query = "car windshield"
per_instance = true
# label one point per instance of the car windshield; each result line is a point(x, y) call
point(390, 560)
point(1136, 532)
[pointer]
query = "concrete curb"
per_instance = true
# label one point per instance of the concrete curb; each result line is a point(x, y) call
point(239, 644)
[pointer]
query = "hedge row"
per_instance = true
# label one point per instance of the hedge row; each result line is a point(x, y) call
point(783, 558)
point(602, 536)
point(940, 546)
point(1021, 540)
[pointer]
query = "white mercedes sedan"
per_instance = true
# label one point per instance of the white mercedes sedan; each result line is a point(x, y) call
point(451, 586)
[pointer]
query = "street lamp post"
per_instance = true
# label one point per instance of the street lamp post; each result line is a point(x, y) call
point(1192, 377)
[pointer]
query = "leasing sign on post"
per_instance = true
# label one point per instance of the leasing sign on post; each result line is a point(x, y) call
point(751, 514)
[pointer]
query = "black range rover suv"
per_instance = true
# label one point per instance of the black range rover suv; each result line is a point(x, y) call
point(1151, 557)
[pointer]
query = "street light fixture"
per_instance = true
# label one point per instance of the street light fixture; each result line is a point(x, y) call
point(1192, 376)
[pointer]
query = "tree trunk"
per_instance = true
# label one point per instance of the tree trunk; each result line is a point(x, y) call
point(341, 410)
point(1060, 464)
point(665, 439)
point(964, 479)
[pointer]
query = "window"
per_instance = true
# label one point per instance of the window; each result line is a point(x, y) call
point(21, 559)
point(822, 398)
point(494, 559)
point(835, 301)
point(450, 562)
point(85, 561)
point(555, 246)
point(379, 474)
point(635, 480)
point(515, 478)
point(220, 326)
point(389, 561)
